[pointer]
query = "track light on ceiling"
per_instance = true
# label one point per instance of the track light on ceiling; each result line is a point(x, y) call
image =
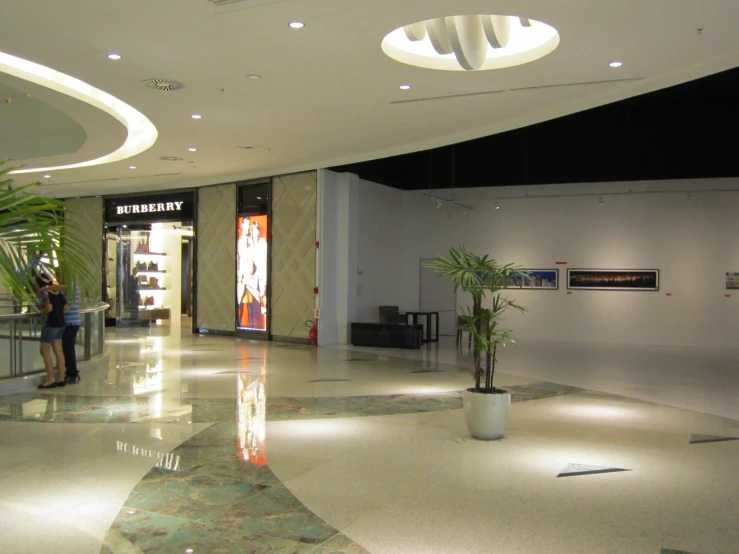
point(438, 203)
point(600, 201)
point(497, 206)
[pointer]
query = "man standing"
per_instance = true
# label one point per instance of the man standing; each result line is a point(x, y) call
point(72, 322)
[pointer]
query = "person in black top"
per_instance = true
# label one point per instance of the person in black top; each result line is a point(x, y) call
point(53, 304)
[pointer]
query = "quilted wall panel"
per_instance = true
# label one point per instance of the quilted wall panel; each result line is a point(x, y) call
point(293, 253)
point(87, 216)
point(216, 244)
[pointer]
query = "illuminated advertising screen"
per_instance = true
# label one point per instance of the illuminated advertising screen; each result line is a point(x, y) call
point(251, 273)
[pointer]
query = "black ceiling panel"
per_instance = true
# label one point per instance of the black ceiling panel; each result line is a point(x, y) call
point(686, 131)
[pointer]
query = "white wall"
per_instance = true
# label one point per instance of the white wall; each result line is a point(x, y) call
point(692, 239)
point(385, 275)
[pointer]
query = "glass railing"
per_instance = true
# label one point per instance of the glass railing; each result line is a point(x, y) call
point(20, 331)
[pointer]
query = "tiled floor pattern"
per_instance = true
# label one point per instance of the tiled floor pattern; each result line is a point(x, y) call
point(376, 466)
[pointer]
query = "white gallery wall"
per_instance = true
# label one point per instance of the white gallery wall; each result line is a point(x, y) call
point(691, 237)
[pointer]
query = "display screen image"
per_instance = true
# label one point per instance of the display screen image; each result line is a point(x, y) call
point(251, 272)
point(732, 281)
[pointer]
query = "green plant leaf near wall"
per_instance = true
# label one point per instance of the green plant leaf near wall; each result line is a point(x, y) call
point(483, 278)
point(34, 229)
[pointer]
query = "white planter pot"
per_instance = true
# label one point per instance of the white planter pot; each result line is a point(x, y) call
point(486, 415)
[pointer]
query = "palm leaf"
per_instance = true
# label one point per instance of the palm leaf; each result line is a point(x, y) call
point(31, 226)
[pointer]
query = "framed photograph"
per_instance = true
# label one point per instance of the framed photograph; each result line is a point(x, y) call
point(541, 279)
point(732, 281)
point(613, 279)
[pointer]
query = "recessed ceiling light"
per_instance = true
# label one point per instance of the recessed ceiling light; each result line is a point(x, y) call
point(193, 149)
point(616, 64)
point(196, 116)
point(47, 176)
point(131, 167)
point(114, 56)
point(253, 76)
point(297, 24)
point(404, 87)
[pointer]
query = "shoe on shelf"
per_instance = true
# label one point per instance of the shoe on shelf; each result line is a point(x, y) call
point(49, 386)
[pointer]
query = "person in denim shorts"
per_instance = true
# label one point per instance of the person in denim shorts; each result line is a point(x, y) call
point(53, 304)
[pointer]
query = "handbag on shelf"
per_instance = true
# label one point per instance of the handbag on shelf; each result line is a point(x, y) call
point(152, 266)
point(141, 247)
point(153, 282)
point(141, 266)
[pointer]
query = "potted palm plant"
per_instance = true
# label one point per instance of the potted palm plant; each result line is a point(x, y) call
point(31, 226)
point(483, 278)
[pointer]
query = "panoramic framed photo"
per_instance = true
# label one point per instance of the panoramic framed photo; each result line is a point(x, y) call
point(613, 279)
point(732, 281)
point(541, 279)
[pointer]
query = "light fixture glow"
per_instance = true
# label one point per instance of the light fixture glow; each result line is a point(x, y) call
point(47, 176)
point(193, 149)
point(297, 24)
point(114, 56)
point(196, 116)
point(471, 42)
point(404, 87)
point(616, 64)
point(600, 201)
point(131, 167)
point(142, 134)
point(497, 206)
point(253, 76)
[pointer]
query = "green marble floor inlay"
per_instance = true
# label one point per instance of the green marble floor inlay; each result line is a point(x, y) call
point(217, 502)
point(69, 408)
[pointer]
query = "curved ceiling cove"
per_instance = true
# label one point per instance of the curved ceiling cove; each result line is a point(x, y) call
point(142, 134)
point(471, 42)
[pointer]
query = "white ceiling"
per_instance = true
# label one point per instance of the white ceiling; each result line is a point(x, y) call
point(328, 94)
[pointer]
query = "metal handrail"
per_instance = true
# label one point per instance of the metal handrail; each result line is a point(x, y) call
point(99, 307)
point(16, 323)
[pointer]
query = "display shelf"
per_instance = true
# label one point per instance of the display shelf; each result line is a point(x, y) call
point(149, 254)
point(152, 288)
point(152, 270)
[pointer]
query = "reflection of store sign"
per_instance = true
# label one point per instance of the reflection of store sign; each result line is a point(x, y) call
point(165, 460)
point(149, 208)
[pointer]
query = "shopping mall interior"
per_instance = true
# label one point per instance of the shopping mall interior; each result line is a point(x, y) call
point(268, 361)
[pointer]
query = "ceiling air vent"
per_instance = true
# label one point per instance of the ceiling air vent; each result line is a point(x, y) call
point(165, 85)
point(243, 3)
point(171, 159)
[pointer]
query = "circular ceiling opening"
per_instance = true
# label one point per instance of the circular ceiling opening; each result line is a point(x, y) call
point(471, 42)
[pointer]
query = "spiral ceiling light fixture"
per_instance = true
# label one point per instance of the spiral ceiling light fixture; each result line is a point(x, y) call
point(471, 42)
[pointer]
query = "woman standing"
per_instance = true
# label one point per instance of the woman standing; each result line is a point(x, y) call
point(53, 305)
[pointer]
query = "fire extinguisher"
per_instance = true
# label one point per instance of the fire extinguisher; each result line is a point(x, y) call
point(313, 333)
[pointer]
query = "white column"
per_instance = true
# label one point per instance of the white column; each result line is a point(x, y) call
point(337, 233)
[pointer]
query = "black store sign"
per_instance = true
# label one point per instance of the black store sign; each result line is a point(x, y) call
point(157, 207)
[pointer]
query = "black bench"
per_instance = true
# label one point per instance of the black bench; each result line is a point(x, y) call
point(388, 335)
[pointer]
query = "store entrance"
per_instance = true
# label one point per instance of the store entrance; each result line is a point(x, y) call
point(150, 273)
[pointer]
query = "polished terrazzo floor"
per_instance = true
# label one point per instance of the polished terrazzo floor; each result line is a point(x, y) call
point(193, 444)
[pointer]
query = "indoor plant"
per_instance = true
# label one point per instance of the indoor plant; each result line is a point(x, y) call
point(31, 226)
point(483, 278)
